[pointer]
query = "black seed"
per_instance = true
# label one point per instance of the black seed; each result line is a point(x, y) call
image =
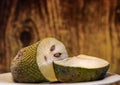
point(45, 58)
point(57, 54)
point(52, 48)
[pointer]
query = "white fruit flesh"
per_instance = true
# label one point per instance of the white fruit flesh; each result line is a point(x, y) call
point(46, 56)
point(83, 61)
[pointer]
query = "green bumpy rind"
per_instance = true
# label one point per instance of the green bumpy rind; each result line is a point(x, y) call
point(24, 67)
point(77, 74)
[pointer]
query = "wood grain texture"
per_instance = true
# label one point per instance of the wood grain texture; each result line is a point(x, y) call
point(85, 26)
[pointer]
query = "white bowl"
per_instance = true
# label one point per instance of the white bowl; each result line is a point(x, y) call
point(6, 79)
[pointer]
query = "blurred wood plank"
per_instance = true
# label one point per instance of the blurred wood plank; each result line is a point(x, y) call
point(5, 10)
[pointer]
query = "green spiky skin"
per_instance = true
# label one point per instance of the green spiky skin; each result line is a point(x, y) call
point(76, 74)
point(24, 67)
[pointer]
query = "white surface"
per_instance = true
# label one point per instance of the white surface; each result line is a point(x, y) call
point(82, 61)
point(6, 79)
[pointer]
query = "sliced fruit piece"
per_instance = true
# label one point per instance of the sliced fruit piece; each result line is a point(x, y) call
point(80, 68)
point(24, 67)
point(50, 50)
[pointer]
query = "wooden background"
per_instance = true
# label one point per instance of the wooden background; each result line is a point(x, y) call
point(85, 26)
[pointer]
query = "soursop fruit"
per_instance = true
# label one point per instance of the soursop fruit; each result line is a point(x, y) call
point(24, 67)
point(35, 62)
point(80, 68)
point(50, 50)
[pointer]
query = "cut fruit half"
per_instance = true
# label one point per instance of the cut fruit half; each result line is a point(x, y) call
point(80, 68)
point(50, 50)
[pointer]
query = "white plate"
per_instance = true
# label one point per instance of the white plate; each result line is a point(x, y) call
point(6, 79)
